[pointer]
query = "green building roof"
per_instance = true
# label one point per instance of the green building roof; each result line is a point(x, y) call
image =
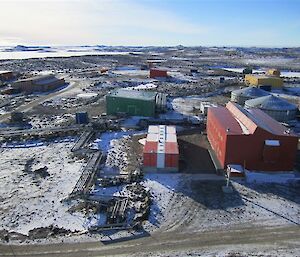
point(133, 94)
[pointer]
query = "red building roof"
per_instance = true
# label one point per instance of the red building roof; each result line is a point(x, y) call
point(229, 123)
point(237, 120)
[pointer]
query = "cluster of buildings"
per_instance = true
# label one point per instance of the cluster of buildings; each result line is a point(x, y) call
point(246, 132)
point(278, 108)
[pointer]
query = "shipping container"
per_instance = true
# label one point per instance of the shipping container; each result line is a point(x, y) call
point(82, 118)
point(158, 73)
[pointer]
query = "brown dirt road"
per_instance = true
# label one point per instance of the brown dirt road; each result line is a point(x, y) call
point(275, 237)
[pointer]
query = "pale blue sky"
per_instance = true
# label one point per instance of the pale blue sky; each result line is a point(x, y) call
point(151, 22)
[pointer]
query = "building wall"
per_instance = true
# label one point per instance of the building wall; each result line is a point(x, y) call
point(134, 107)
point(155, 73)
point(240, 99)
point(251, 151)
point(216, 135)
point(254, 80)
point(25, 86)
point(6, 75)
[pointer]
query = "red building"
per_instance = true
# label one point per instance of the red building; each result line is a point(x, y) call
point(161, 149)
point(250, 138)
point(158, 73)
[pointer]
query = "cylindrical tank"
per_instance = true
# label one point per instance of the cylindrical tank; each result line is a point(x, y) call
point(241, 95)
point(278, 108)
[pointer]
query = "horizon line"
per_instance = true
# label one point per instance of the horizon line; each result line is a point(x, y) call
point(165, 46)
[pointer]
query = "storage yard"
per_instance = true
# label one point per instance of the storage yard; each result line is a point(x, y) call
point(135, 145)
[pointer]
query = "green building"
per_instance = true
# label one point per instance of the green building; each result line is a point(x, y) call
point(134, 102)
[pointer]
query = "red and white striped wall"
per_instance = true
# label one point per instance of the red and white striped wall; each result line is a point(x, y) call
point(161, 151)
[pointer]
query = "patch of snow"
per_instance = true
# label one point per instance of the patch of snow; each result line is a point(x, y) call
point(104, 141)
point(143, 87)
point(87, 95)
point(264, 177)
point(143, 141)
point(240, 70)
point(30, 201)
point(162, 188)
point(131, 122)
point(290, 74)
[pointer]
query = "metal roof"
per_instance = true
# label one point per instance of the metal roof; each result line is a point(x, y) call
point(263, 76)
point(250, 92)
point(5, 71)
point(237, 120)
point(247, 125)
point(226, 119)
point(45, 80)
point(270, 103)
point(135, 94)
point(38, 78)
point(253, 118)
point(264, 121)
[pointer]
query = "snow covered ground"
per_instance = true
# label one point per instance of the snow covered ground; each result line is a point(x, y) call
point(115, 146)
point(25, 52)
point(29, 200)
point(264, 177)
point(240, 70)
point(187, 105)
point(180, 202)
point(184, 202)
point(162, 188)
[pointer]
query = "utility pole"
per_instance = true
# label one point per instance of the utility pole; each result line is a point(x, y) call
point(227, 189)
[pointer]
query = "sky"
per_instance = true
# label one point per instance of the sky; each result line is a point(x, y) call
point(262, 23)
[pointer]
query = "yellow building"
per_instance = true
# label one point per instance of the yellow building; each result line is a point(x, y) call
point(263, 80)
point(273, 72)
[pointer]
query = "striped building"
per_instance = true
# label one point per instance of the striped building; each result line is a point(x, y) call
point(161, 153)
